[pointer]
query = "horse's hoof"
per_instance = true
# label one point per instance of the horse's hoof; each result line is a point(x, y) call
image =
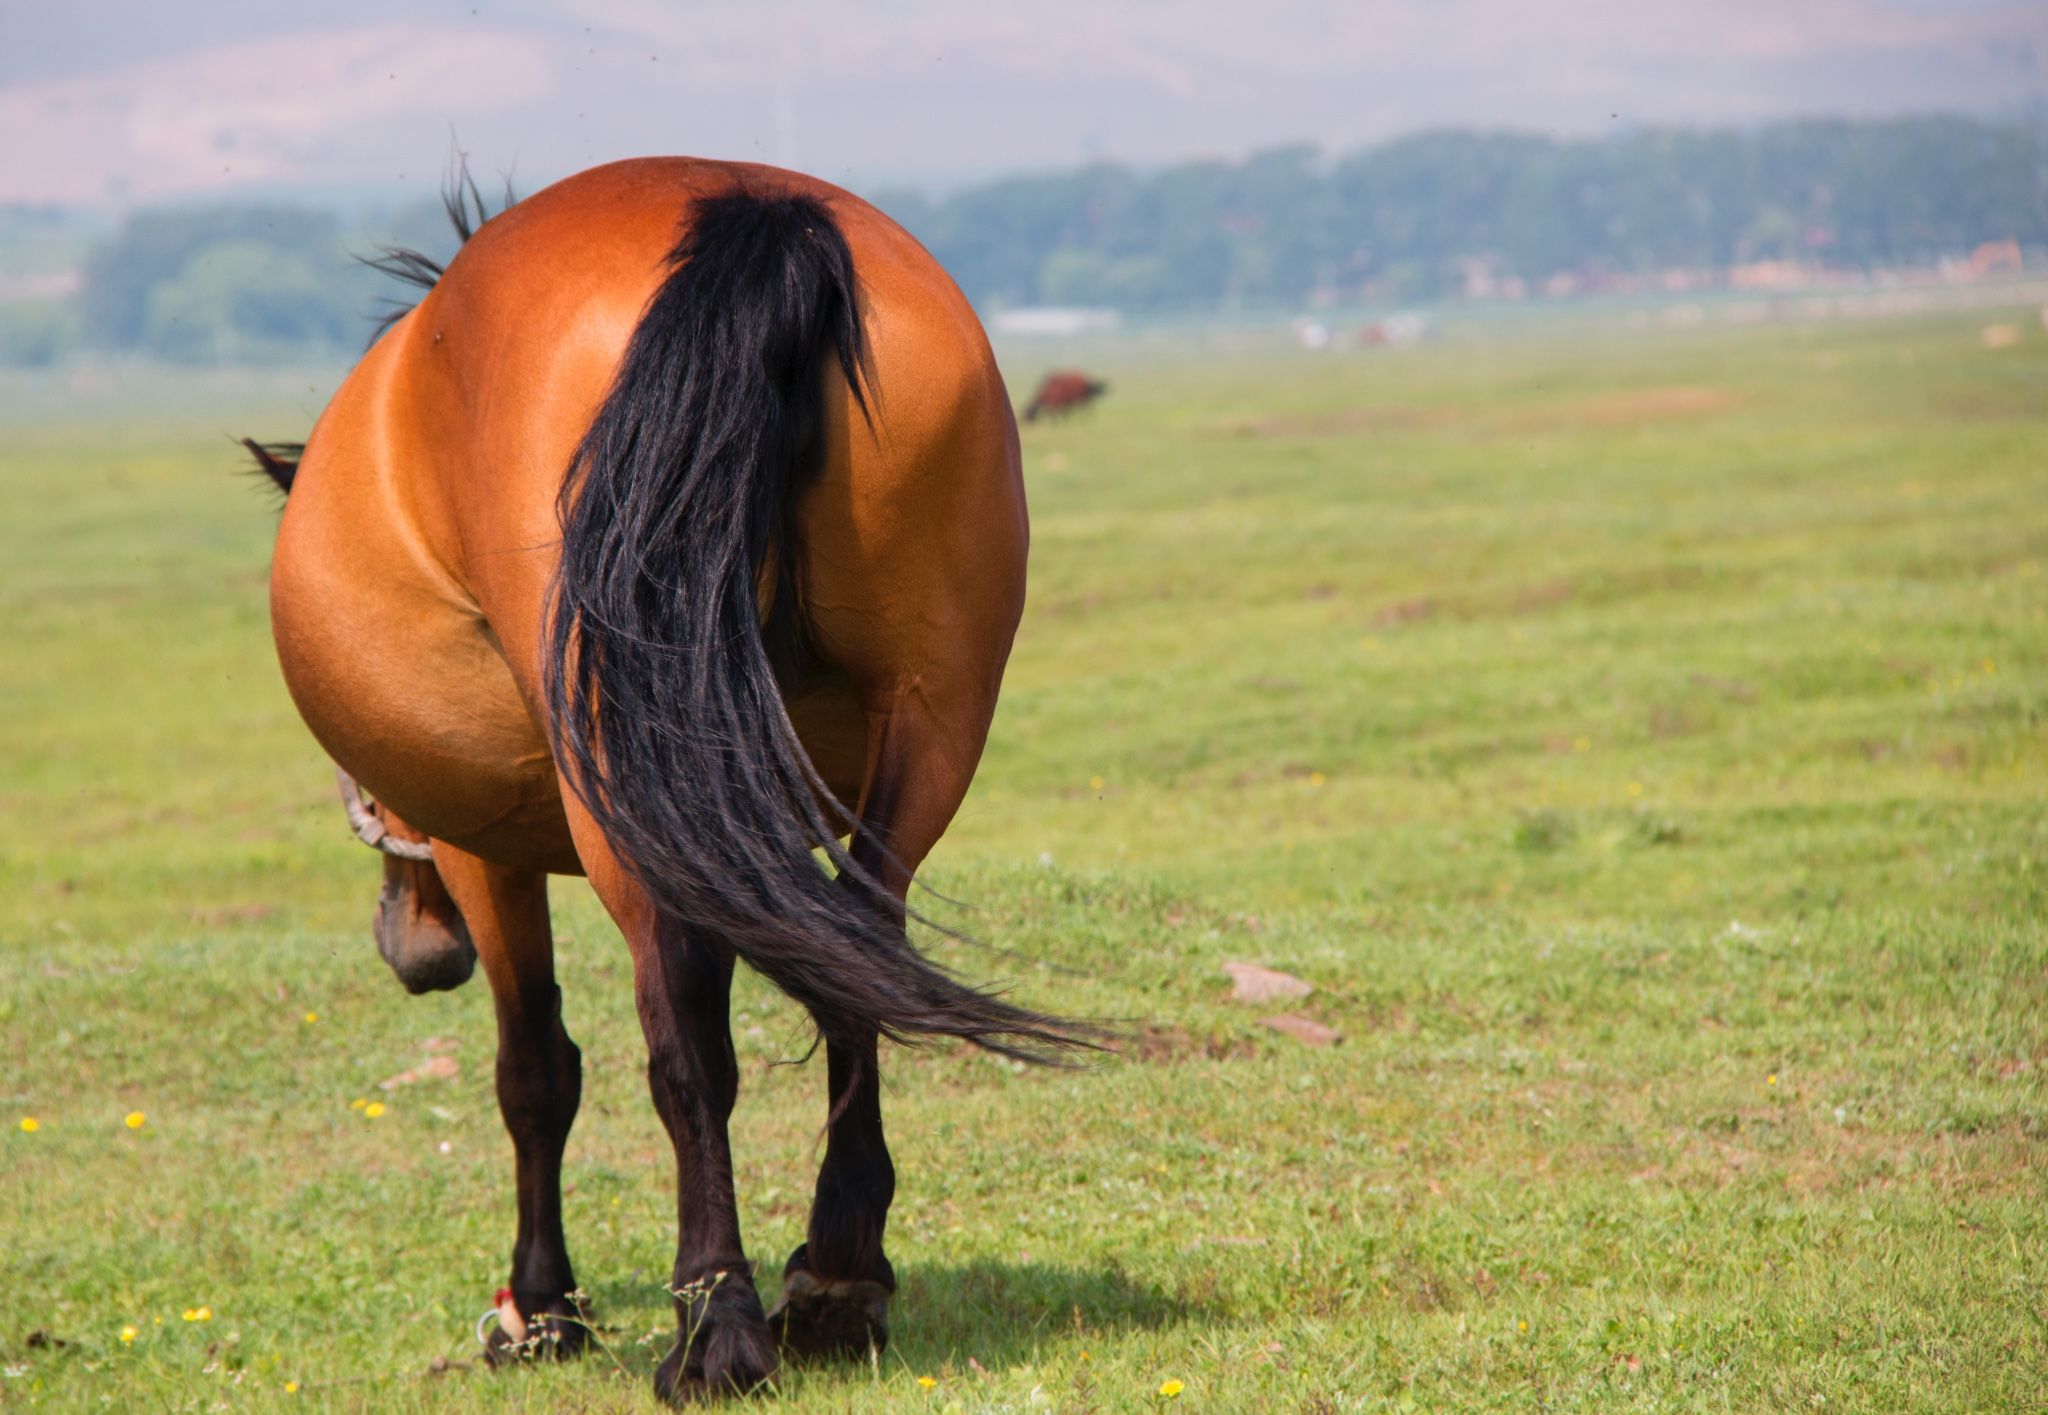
point(829, 1318)
point(723, 1349)
point(551, 1331)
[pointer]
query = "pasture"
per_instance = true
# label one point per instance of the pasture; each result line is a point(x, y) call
point(1640, 744)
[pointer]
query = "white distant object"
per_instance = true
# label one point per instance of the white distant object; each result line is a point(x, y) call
point(1312, 333)
point(1406, 328)
point(1054, 320)
point(1396, 331)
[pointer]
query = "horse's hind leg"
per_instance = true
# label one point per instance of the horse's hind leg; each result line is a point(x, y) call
point(540, 1080)
point(682, 985)
point(837, 1284)
point(420, 930)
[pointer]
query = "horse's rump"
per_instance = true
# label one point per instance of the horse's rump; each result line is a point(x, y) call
point(666, 710)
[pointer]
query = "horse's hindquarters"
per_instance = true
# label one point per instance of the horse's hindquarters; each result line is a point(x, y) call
point(400, 682)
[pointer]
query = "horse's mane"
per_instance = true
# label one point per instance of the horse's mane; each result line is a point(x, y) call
point(467, 212)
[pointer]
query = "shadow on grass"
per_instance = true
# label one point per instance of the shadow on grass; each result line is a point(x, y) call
point(996, 1312)
point(999, 1312)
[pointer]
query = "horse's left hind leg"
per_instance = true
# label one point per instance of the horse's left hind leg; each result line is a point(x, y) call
point(682, 984)
point(540, 1081)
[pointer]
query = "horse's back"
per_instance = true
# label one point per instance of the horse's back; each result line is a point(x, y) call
point(413, 564)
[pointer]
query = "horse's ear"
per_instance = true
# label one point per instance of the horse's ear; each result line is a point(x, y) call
point(279, 461)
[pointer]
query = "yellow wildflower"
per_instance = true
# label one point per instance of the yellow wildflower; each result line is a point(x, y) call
point(291, 1387)
point(373, 1110)
point(29, 1125)
point(311, 1018)
point(133, 1120)
point(1170, 1389)
point(1772, 1079)
point(357, 1104)
point(199, 1314)
point(926, 1381)
point(128, 1334)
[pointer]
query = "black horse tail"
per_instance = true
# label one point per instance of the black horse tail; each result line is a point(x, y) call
point(665, 706)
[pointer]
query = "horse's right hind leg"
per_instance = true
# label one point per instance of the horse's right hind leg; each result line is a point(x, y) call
point(838, 1283)
point(540, 1081)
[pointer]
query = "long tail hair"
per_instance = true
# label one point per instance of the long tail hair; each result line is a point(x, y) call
point(663, 696)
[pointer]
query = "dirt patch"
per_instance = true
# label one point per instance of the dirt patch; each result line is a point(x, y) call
point(1303, 1029)
point(1254, 982)
point(1669, 722)
point(1735, 690)
point(222, 915)
point(1624, 408)
point(1165, 1044)
point(1630, 408)
point(434, 1068)
point(1537, 598)
point(1407, 611)
point(1343, 422)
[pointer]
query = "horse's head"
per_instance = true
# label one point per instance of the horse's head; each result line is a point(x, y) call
point(420, 932)
point(419, 929)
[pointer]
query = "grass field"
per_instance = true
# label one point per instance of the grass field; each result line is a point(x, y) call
point(1640, 744)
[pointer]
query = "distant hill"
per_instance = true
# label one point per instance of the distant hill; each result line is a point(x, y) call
point(1430, 215)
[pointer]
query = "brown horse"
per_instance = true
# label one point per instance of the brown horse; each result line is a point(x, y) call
point(677, 533)
point(1063, 391)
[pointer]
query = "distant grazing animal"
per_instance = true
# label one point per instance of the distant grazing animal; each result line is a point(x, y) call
point(677, 531)
point(1992, 257)
point(1061, 392)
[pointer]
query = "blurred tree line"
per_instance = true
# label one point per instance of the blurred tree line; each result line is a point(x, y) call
point(1408, 220)
point(223, 284)
point(1410, 217)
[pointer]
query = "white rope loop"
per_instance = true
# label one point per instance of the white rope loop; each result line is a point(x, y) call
point(369, 826)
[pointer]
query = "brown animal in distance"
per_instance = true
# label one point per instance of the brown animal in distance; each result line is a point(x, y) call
point(721, 448)
point(1063, 391)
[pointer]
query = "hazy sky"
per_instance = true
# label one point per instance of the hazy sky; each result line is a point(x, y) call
point(126, 100)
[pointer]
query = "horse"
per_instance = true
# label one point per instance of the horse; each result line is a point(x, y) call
point(1063, 391)
point(677, 533)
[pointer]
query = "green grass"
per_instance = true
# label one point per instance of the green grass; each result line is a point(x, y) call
point(1640, 744)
